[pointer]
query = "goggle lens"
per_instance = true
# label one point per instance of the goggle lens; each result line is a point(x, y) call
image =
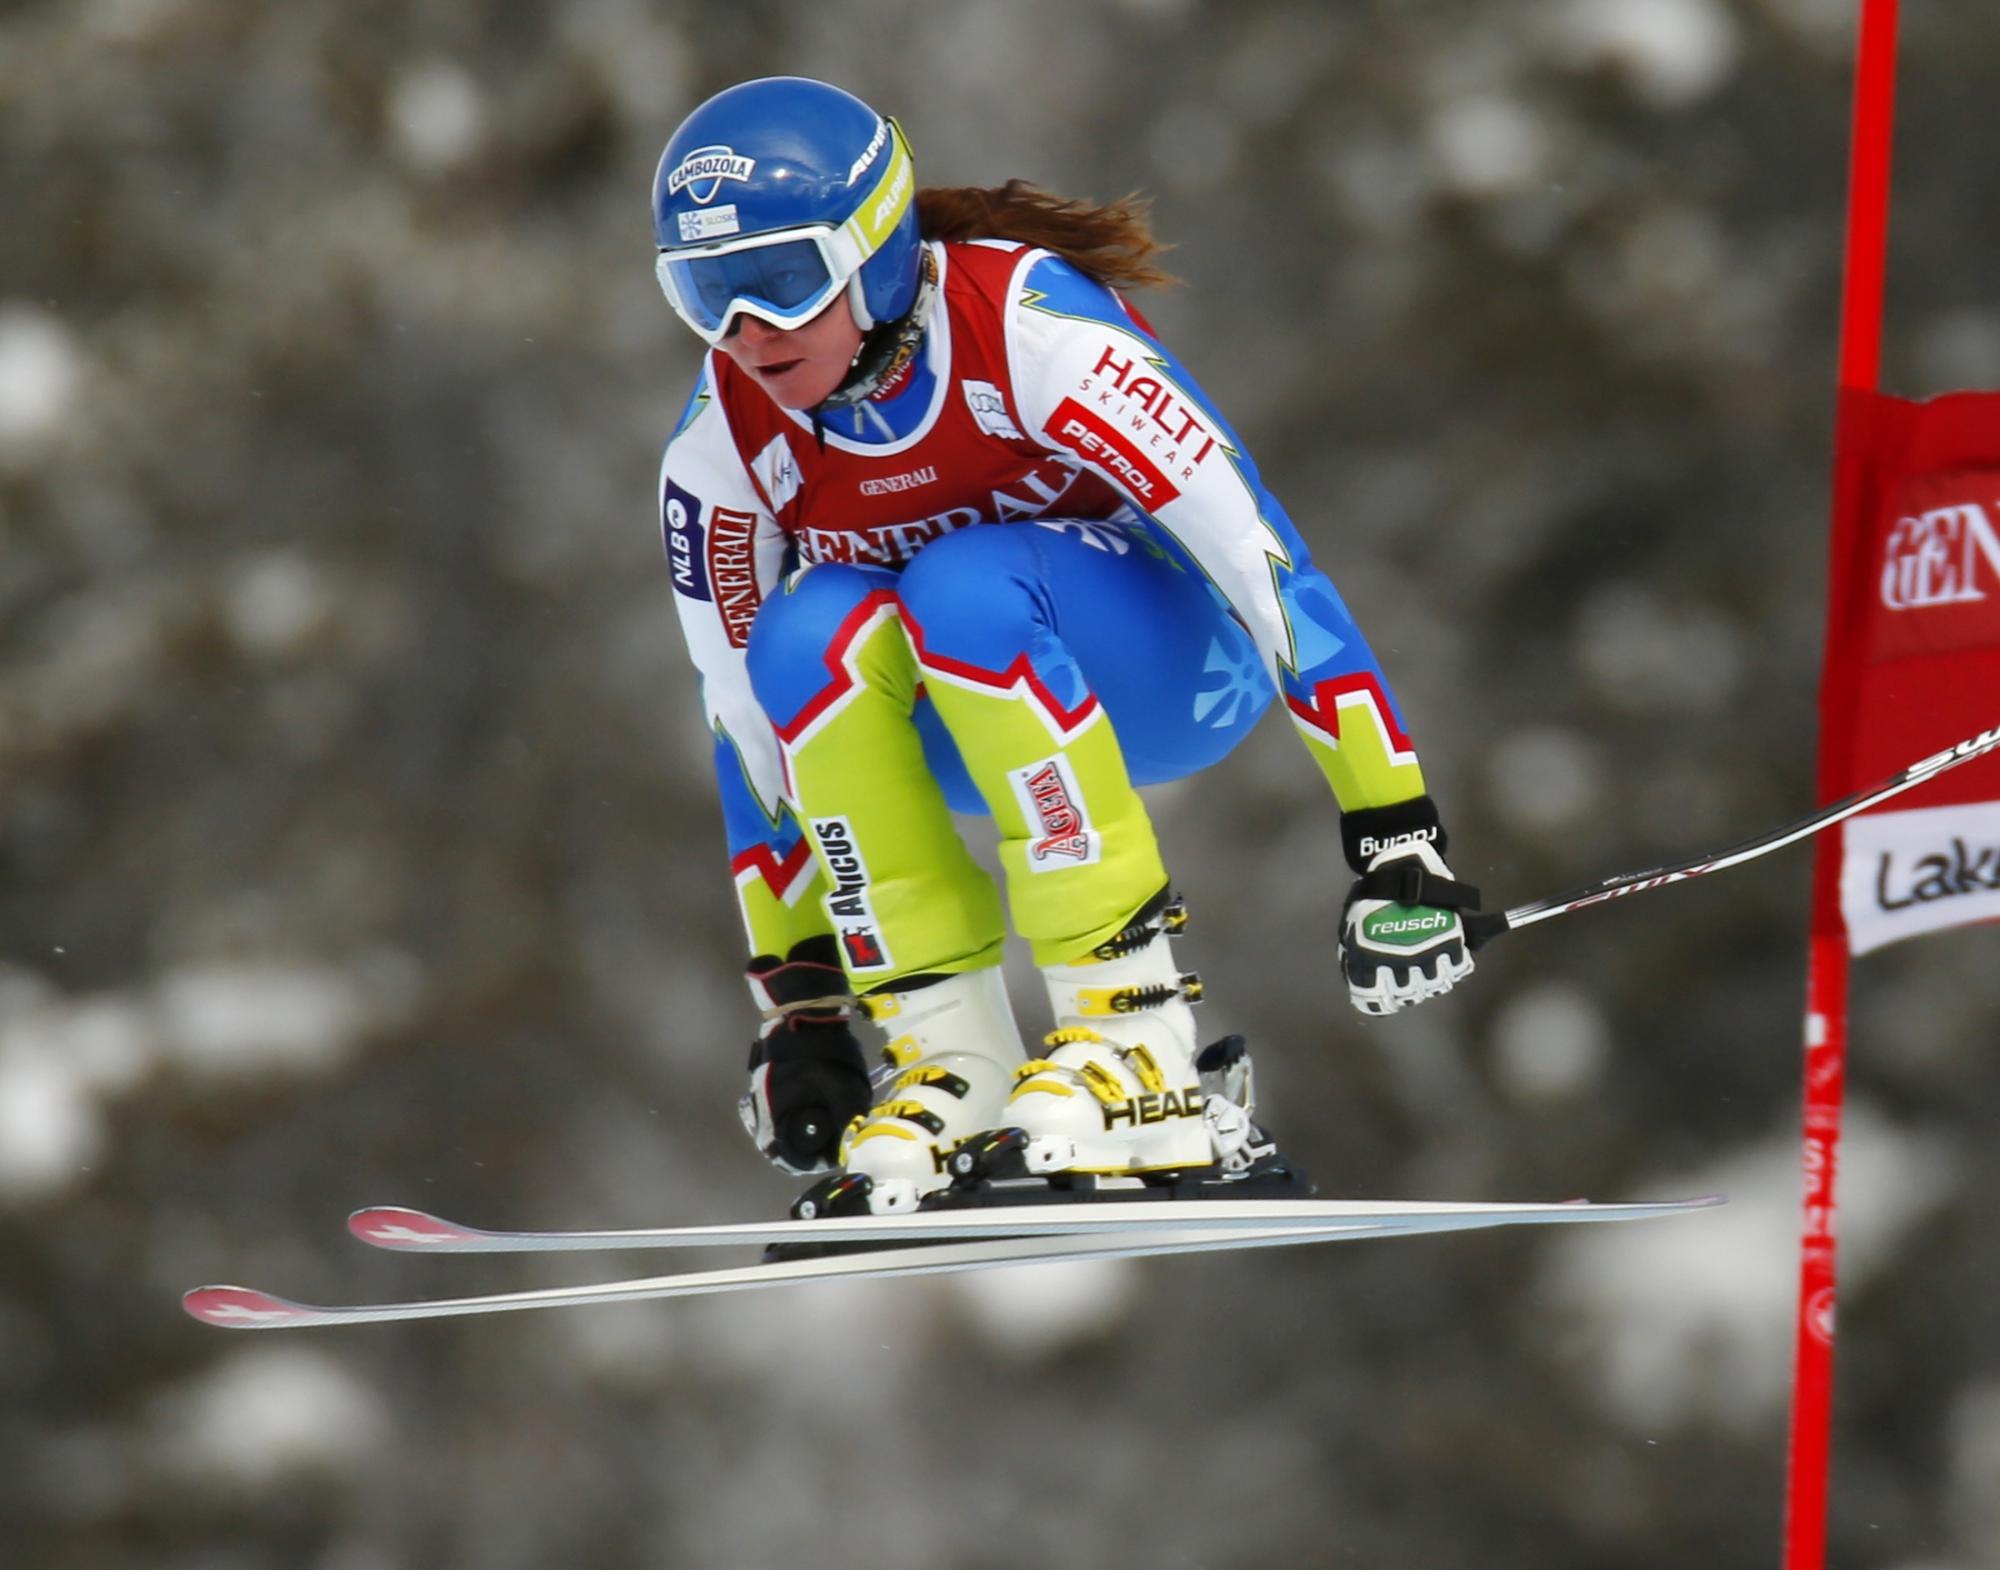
point(789, 278)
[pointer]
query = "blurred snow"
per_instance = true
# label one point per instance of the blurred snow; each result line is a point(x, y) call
point(1642, 654)
point(1674, 256)
point(435, 115)
point(639, 53)
point(259, 1419)
point(1692, 1316)
point(97, 650)
point(1673, 52)
point(1670, 287)
point(57, 1059)
point(275, 602)
point(108, 1043)
point(623, 1346)
point(1828, 25)
point(228, 1020)
point(1959, 348)
point(50, 1127)
point(22, 994)
point(866, 1340)
point(1041, 1312)
point(61, 1058)
point(1549, 1042)
point(1381, 183)
point(1489, 145)
point(1544, 778)
point(868, 1335)
point(41, 373)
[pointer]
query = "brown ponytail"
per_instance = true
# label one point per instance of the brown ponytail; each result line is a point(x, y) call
point(1113, 243)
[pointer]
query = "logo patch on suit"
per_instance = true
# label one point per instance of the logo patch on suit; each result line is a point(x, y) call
point(732, 571)
point(847, 902)
point(777, 472)
point(680, 528)
point(1053, 805)
point(989, 410)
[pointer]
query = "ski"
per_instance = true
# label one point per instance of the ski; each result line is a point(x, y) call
point(244, 1308)
point(418, 1232)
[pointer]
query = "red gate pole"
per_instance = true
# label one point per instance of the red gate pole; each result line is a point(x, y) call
point(1865, 268)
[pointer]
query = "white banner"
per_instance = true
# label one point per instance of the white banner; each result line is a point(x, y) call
point(1904, 873)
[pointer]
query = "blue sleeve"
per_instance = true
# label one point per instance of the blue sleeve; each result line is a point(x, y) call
point(1095, 382)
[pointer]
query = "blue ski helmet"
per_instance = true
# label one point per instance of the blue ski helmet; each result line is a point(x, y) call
point(777, 194)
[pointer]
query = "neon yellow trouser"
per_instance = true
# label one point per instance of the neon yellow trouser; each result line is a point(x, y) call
point(835, 664)
point(983, 680)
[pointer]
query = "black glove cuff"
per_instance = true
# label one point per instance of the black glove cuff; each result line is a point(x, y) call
point(817, 953)
point(803, 1041)
point(810, 974)
point(1364, 835)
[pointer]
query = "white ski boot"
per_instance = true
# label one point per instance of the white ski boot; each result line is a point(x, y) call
point(952, 1053)
point(1116, 1091)
point(1120, 1101)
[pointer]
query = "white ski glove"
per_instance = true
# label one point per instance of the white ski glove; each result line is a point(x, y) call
point(808, 1074)
point(1402, 939)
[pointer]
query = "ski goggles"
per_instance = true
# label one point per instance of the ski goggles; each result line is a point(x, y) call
point(788, 277)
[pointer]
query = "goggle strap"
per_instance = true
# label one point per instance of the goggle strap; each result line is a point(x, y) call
point(871, 224)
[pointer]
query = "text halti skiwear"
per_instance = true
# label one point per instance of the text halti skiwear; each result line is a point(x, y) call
point(1036, 569)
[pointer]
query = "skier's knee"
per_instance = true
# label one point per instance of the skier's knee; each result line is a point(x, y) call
point(796, 629)
point(981, 587)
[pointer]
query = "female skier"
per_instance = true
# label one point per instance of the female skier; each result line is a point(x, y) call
point(951, 530)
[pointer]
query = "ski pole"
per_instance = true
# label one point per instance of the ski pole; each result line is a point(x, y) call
point(1482, 927)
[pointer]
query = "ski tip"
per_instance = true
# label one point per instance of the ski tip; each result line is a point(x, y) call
point(1650, 1207)
point(242, 1308)
point(394, 1226)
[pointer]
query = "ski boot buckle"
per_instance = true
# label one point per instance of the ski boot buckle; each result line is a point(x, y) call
point(993, 1156)
point(840, 1194)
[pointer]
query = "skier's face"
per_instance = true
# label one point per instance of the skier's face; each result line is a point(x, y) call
point(799, 366)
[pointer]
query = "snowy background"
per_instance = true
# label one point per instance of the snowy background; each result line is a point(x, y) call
point(357, 845)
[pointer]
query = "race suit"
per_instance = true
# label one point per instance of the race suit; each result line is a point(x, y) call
point(1034, 570)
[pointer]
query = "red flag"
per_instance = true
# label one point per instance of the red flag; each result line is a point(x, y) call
point(1913, 663)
